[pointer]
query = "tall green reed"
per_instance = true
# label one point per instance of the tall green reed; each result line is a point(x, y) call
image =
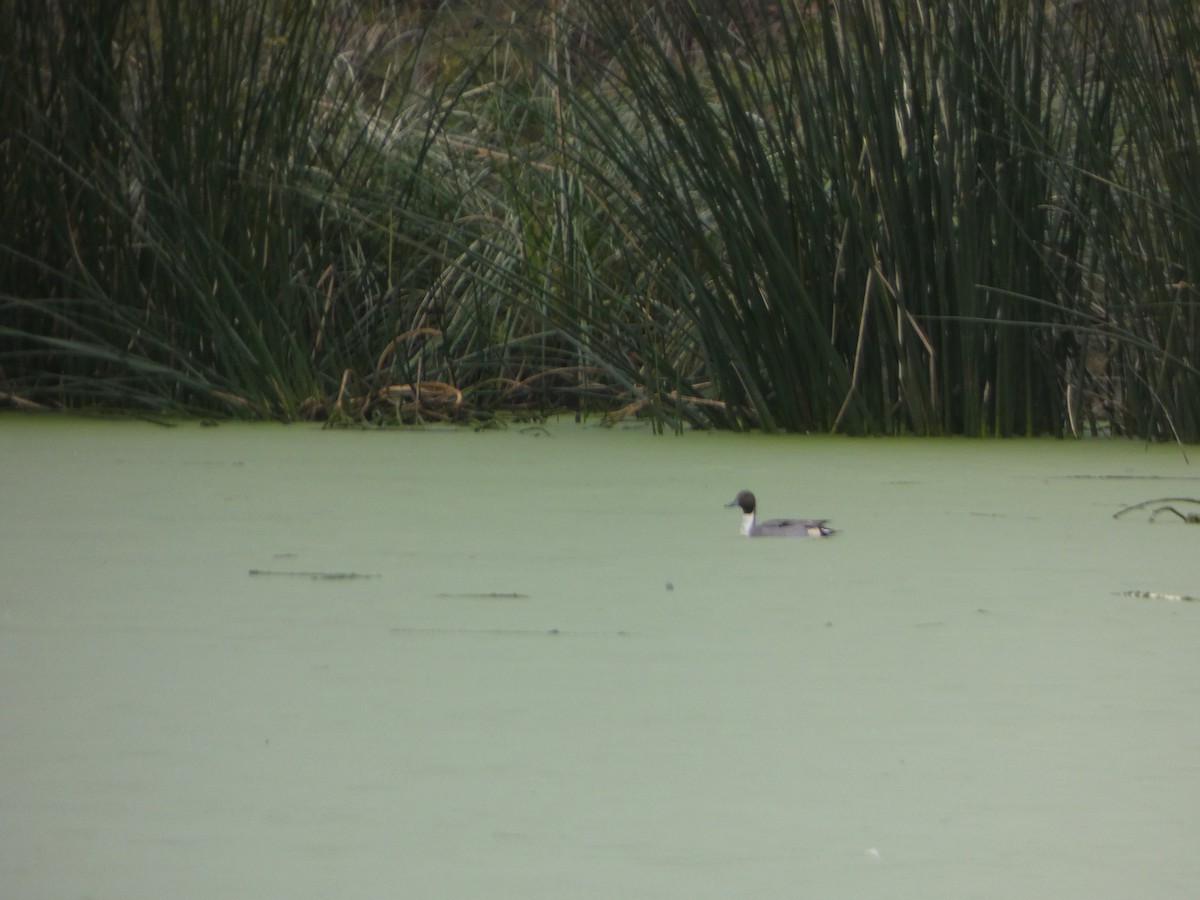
point(165, 163)
point(209, 209)
point(898, 217)
point(1139, 196)
point(833, 192)
point(865, 217)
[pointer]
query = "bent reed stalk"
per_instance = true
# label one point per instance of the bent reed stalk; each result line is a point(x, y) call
point(854, 216)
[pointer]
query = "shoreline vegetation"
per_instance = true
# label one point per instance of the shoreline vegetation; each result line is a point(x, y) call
point(844, 216)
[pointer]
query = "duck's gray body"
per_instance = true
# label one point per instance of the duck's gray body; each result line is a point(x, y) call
point(751, 527)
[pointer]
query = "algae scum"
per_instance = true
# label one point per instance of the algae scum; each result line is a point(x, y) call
point(266, 662)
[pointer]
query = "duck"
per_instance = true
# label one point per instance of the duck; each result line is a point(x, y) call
point(751, 527)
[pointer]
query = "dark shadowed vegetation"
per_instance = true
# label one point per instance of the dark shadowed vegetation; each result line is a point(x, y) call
point(976, 218)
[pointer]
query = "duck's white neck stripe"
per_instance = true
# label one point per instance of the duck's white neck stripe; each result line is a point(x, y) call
point(747, 524)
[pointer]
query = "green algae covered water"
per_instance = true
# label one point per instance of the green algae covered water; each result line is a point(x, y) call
point(269, 662)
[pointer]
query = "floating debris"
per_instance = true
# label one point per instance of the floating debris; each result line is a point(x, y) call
point(488, 595)
point(1156, 595)
point(314, 576)
point(1192, 518)
point(511, 632)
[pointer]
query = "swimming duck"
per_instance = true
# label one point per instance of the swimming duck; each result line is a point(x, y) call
point(751, 527)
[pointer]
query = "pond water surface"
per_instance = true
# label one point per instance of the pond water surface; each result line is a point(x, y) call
point(256, 661)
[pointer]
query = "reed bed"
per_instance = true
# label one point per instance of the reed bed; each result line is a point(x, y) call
point(850, 216)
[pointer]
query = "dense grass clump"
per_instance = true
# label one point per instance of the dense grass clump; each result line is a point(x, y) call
point(868, 217)
point(247, 208)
